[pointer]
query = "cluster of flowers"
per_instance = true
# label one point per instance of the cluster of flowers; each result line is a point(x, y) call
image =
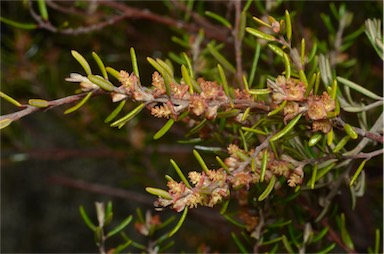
point(315, 107)
point(204, 102)
point(211, 187)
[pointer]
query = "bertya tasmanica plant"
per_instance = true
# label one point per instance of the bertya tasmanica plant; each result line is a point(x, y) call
point(286, 146)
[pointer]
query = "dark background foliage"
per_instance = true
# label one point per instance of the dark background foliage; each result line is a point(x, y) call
point(51, 163)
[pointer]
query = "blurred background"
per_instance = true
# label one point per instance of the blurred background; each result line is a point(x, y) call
point(52, 163)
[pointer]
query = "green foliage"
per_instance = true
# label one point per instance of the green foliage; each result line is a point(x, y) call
point(282, 113)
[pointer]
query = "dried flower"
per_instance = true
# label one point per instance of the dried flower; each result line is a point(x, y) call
point(210, 90)
point(290, 110)
point(197, 105)
point(329, 104)
point(316, 109)
point(296, 177)
point(162, 111)
point(158, 83)
point(324, 125)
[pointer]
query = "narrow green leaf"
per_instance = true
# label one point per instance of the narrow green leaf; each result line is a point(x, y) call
point(313, 52)
point(274, 240)
point(357, 173)
point(264, 162)
point(288, 25)
point(189, 65)
point(317, 83)
point(254, 130)
point(341, 144)
point(254, 64)
point(86, 219)
point(128, 116)
point(268, 190)
point(219, 19)
point(315, 139)
point(377, 241)
point(328, 249)
point(234, 222)
point(302, 52)
point(39, 103)
point(242, 25)
point(224, 82)
point(245, 114)
point(320, 235)
point(82, 61)
point(260, 34)
point(314, 175)
point(261, 22)
point(164, 129)
point(180, 174)
point(344, 233)
point(186, 78)
point(287, 64)
point(79, 105)
point(179, 223)
point(166, 65)
point(42, 9)
point(276, 49)
point(303, 78)
point(113, 72)
point(327, 22)
point(239, 244)
point(359, 88)
point(350, 131)
point(122, 247)
point(197, 127)
point(158, 192)
point(120, 227)
point(224, 207)
point(286, 129)
point(259, 91)
point(115, 112)
point(5, 122)
point(286, 244)
point(220, 58)
point(134, 62)
point(228, 113)
point(27, 26)
point(108, 213)
point(310, 85)
point(201, 161)
point(10, 99)
point(324, 170)
point(222, 164)
point(278, 109)
point(101, 82)
point(100, 64)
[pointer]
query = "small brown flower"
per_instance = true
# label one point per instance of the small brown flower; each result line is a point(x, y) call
point(162, 111)
point(329, 104)
point(294, 90)
point(324, 125)
point(158, 83)
point(197, 105)
point(290, 110)
point(316, 109)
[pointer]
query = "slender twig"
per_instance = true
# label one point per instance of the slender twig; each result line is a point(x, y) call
point(237, 43)
point(101, 189)
point(29, 109)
